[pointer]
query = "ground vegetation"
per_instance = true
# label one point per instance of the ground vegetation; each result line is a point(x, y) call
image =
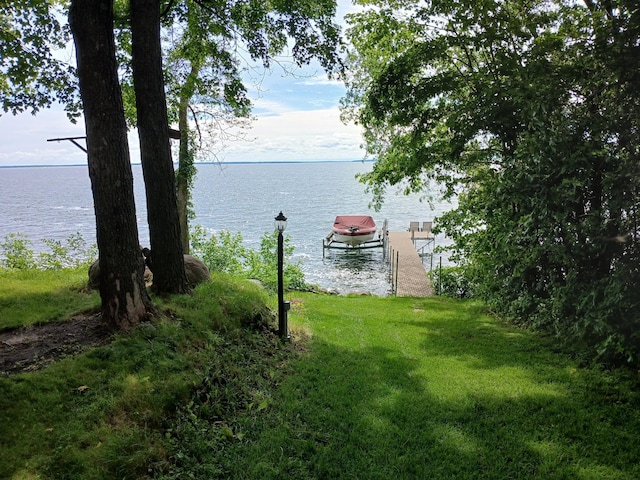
point(208, 390)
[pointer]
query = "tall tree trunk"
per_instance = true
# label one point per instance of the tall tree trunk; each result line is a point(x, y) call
point(153, 129)
point(125, 301)
point(186, 168)
point(185, 165)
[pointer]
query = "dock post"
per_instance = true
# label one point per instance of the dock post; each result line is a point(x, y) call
point(440, 278)
point(397, 262)
point(391, 266)
point(384, 246)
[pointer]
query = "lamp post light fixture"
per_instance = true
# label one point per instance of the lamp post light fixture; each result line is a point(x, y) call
point(283, 307)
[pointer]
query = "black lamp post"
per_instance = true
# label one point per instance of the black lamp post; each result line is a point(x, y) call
point(283, 329)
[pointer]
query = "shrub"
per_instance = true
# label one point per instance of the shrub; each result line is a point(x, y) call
point(225, 252)
point(222, 253)
point(74, 253)
point(452, 282)
point(17, 253)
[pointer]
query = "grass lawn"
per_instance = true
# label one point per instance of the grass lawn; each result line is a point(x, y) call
point(39, 296)
point(369, 388)
point(434, 389)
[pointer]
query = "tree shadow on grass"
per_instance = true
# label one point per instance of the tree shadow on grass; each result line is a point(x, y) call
point(481, 401)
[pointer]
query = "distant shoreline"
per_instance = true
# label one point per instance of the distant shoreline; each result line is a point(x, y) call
point(203, 163)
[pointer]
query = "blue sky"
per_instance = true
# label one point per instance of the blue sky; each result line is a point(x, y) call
point(297, 118)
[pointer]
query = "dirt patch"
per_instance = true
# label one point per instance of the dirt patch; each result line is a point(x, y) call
point(31, 348)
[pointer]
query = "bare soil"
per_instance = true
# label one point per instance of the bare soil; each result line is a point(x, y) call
point(31, 348)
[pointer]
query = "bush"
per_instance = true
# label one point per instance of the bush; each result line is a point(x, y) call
point(226, 253)
point(222, 253)
point(452, 282)
point(17, 253)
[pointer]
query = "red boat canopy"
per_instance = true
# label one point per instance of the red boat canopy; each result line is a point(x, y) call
point(354, 224)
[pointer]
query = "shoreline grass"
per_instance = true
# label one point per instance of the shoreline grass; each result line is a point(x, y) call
point(370, 387)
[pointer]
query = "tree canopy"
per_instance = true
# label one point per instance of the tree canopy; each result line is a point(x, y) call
point(32, 76)
point(208, 46)
point(528, 111)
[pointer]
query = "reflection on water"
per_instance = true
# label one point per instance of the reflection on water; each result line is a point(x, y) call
point(353, 260)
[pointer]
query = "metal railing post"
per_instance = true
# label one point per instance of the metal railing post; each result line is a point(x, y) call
point(397, 262)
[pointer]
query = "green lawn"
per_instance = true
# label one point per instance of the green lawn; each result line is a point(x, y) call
point(369, 388)
point(40, 296)
point(435, 389)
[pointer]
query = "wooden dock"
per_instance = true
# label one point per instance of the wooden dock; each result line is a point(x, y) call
point(408, 275)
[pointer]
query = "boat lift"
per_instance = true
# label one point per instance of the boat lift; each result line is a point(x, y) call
point(329, 242)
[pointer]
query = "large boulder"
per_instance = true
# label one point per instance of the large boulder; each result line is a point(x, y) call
point(195, 269)
point(197, 272)
point(94, 275)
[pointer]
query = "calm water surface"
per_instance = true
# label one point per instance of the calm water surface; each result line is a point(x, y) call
point(54, 202)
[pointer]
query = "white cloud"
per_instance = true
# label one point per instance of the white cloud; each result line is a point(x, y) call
point(298, 136)
point(23, 139)
point(282, 134)
point(321, 79)
point(266, 107)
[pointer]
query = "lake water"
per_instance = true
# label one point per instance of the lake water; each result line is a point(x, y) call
point(54, 202)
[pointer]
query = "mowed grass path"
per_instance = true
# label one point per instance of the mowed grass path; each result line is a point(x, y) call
point(401, 388)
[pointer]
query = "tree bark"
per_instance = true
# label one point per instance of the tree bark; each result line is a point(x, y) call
point(183, 187)
point(186, 169)
point(125, 301)
point(153, 130)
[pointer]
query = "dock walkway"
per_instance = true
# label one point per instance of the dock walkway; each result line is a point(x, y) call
point(408, 273)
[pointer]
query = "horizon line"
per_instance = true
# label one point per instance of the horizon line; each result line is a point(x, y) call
point(242, 162)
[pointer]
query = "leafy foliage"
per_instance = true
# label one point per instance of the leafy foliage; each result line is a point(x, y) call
point(32, 76)
point(528, 111)
point(17, 253)
point(452, 282)
point(225, 252)
point(222, 253)
point(210, 52)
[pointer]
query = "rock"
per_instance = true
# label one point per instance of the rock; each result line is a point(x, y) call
point(195, 269)
point(257, 282)
point(197, 272)
point(360, 293)
point(94, 276)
